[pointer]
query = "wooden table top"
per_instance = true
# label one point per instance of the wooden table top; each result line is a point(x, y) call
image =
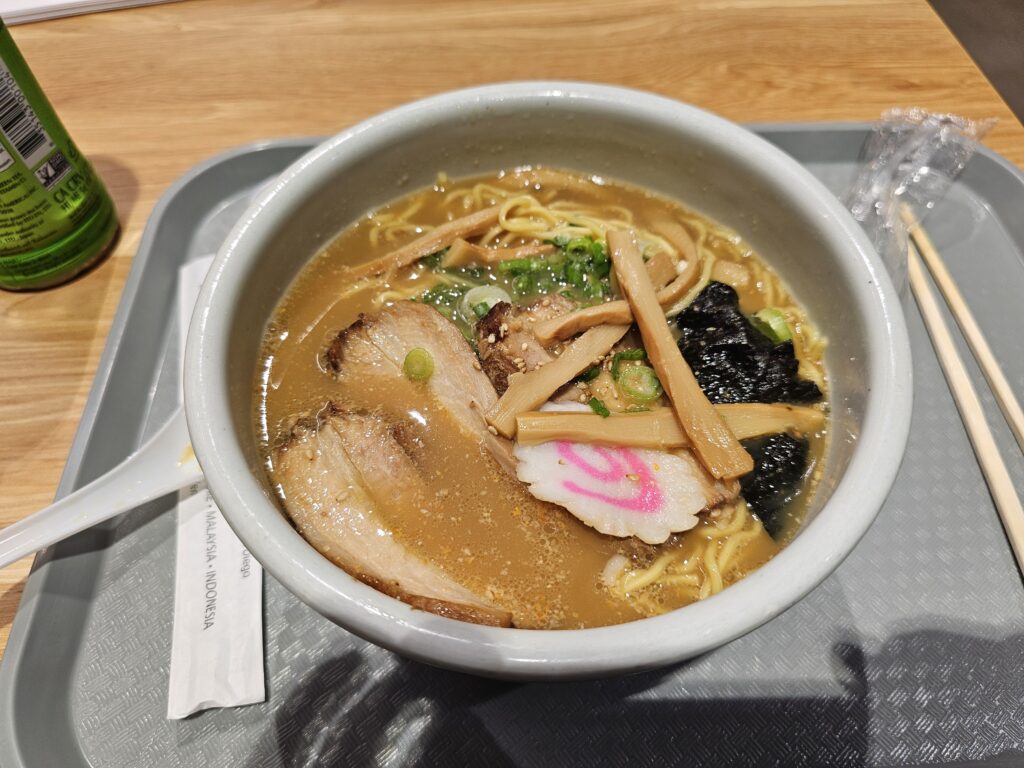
point(149, 92)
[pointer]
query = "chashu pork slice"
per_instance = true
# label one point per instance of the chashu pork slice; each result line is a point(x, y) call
point(506, 342)
point(339, 473)
point(376, 347)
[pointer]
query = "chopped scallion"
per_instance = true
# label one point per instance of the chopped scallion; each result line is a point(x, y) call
point(579, 247)
point(522, 284)
point(521, 266)
point(599, 408)
point(772, 323)
point(593, 289)
point(543, 283)
point(434, 260)
point(418, 365)
point(639, 383)
point(575, 274)
point(480, 300)
point(626, 354)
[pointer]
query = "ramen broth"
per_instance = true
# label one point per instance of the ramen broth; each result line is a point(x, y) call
point(468, 516)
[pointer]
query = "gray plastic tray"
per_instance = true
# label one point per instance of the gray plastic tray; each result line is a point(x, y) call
point(911, 653)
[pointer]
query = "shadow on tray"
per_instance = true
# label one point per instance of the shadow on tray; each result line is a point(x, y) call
point(927, 698)
point(346, 714)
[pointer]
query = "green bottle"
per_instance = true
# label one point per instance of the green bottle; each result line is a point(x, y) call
point(56, 217)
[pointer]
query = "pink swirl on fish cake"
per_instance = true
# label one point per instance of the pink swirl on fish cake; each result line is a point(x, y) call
point(648, 499)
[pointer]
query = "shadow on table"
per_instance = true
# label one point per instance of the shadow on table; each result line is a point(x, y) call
point(929, 697)
point(121, 182)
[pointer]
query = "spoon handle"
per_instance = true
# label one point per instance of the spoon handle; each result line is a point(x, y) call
point(163, 464)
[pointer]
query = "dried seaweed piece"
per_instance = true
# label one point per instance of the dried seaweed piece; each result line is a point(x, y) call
point(733, 361)
point(780, 462)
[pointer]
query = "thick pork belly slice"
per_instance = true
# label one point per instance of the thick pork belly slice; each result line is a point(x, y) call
point(377, 346)
point(506, 341)
point(335, 472)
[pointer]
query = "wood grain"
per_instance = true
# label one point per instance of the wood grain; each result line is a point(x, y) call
point(149, 92)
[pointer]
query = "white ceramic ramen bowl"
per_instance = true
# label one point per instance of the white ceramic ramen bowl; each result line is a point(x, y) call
point(677, 150)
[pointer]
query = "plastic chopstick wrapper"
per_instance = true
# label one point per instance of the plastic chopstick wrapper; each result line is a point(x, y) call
point(911, 157)
point(217, 645)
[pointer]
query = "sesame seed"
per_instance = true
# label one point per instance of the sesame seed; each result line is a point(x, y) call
point(490, 338)
point(491, 429)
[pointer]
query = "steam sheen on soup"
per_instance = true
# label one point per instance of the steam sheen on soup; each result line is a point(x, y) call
point(542, 399)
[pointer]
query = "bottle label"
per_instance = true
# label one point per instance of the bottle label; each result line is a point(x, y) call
point(20, 124)
point(35, 208)
point(55, 215)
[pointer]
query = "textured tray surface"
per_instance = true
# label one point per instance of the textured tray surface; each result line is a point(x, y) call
point(910, 653)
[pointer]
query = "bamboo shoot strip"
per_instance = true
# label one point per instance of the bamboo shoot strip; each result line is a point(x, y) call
point(526, 391)
point(747, 420)
point(433, 241)
point(462, 254)
point(678, 238)
point(661, 268)
point(614, 312)
point(659, 429)
point(716, 447)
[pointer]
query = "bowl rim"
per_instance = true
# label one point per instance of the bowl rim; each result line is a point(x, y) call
point(548, 654)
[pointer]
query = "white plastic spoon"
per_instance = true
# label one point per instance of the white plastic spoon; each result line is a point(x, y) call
point(162, 465)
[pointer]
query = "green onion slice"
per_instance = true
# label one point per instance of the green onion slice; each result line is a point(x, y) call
point(521, 266)
point(772, 323)
point(580, 246)
point(626, 354)
point(478, 301)
point(598, 407)
point(418, 365)
point(639, 383)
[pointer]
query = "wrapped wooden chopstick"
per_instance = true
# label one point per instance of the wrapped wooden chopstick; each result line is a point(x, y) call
point(1000, 484)
point(990, 367)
